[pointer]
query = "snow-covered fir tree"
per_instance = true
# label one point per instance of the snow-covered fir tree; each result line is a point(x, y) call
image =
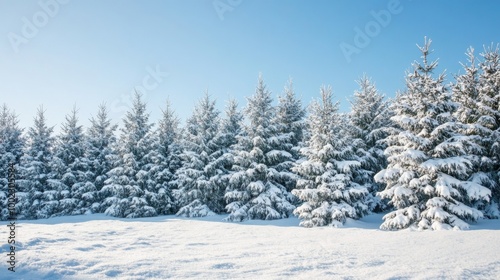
point(167, 161)
point(232, 126)
point(197, 194)
point(489, 107)
point(327, 187)
point(289, 127)
point(128, 184)
point(254, 191)
point(77, 193)
point(427, 175)
point(101, 155)
point(475, 127)
point(39, 189)
point(11, 150)
point(227, 139)
point(369, 122)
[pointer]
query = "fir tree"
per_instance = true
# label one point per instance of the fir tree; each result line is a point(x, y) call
point(39, 189)
point(72, 169)
point(289, 123)
point(231, 126)
point(369, 121)
point(198, 195)
point(101, 155)
point(428, 171)
point(254, 191)
point(474, 127)
point(127, 186)
point(167, 161)
point(227, 140)
point(489, 107)
point(327, 187)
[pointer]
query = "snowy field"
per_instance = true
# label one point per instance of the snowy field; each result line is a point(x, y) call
point(101, 247)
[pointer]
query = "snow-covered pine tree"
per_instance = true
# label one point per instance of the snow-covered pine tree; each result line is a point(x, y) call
point(11, 149)
point(231, 126)
point(254, 191)
point(197, 195)
point(39, 189)
point(489, 107)
point(289, 127)
point(102, 157)
point(326, 187)
point(475, 127)
point(167, 161)
point(426, 178)
point(71, 166)
point(227, 140)
point(125, 190)
point(369, 122)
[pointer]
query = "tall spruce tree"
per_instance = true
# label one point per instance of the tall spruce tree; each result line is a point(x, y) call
point(72, 168)
point(231, 127)
point(369, 121)
point(287, 140)
point(100, 150)
point(128, 183)
point(167, 161)
point(475, 127)
point(427, 175)
point(11, 149)
point(489, 107)
point(327, 187)
point(254, 190)
point(198, 195)
point(227, 141)
point(39, 188)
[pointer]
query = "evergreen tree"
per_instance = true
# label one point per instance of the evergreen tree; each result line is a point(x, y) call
point(231, 126)
point(227, 140)
point(127, 186)
point(369, 121)
point(72, 169)
point(489, 108)
point(101, 155)
point(475, 128)
point(167, 161)
point(289, 123)
point(254, 191)
point(39, 189)
point(11, 150)
point(198, 195)
point(428, 171)
point(327, 187)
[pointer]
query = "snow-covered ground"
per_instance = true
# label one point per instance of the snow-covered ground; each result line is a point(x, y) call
point(101, 247)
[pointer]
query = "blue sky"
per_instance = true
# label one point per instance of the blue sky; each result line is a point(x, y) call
point(75, 52)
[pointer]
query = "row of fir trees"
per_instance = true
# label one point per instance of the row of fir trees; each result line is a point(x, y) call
point(430, 158)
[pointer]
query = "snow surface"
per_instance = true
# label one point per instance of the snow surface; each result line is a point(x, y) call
point(101, 247)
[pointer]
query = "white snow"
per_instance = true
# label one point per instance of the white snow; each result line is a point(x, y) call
point(101, 247)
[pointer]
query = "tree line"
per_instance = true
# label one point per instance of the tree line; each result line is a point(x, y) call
point(430, 157)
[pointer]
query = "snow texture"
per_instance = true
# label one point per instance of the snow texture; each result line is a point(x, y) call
point(101, 247)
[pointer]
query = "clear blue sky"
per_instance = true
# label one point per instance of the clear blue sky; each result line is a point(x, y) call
point(86, 52)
